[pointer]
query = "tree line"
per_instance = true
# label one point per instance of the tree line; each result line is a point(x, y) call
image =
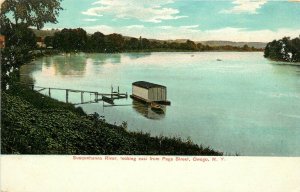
point(74, 40)
point(285, 49)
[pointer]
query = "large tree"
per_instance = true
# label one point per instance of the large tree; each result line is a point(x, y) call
point(32, 12)
point(16, 16)
point(114, 43)
point(284, 49)
point(19, 42)
point(96, 43)
point(70, 40)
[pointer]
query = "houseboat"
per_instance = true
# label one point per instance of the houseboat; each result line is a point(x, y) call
point(149, 92)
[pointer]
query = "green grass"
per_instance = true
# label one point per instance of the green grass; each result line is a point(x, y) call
point(35, 124)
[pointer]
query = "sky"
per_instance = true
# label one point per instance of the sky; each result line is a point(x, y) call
point(198, 20)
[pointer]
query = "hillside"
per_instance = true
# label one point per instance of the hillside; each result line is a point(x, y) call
point(258, 45)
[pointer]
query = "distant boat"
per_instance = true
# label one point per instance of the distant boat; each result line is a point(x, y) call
point(219, 59)
point(192, 55)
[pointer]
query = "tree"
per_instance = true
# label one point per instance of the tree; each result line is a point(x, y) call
point(145, 44)
point(33, 13)
point(200, 46)
point(70, 40)
point(188, 45)
point(285, 49)
point(96, 42)
point(114, 43)
point(132, 44)
point(246, 48)
point(78, 38)
point(20, 40)
point(49, 41)
point(295, 46)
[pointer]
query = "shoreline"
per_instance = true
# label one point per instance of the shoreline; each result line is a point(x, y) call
point(47, 118)
point(51, 52)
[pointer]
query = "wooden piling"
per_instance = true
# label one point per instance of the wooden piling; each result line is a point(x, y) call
point(49, 92)
point(81, 96)
point(96, 97)
point(95, 94)
point(67, 95)
point(112, 91)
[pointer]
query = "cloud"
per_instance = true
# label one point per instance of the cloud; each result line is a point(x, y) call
point(92, 12)
point(195, 34)
point(189, 26)
point(147, 10)
point(245, 6)
point(89, 19)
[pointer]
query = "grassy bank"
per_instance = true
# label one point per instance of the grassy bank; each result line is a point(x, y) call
point(35, 124)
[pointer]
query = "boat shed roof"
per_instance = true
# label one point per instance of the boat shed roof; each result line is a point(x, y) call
point(147, 85)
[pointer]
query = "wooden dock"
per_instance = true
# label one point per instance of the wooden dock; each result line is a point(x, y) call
point(97, 96)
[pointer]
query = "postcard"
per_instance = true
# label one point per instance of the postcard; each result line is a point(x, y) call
point(127, 95)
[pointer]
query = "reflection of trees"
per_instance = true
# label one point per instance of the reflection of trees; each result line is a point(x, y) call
point(27, 70)
point(69, 64)
point(138, 55)
point(146, 111)
point(102, 58)
point(26, 78)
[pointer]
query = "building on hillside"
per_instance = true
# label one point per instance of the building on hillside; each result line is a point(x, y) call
point(40, 42)
point(2, 41)
point(149, 92)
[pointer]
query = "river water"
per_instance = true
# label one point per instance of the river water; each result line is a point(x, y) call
point(233, 102)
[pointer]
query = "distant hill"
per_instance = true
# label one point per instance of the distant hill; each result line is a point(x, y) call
point(258, 45)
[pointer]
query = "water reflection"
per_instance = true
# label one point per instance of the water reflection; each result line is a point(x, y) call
point(69, 64)
point(103, 58)
point(146, 111)
point(138, 55)
point(27, 79)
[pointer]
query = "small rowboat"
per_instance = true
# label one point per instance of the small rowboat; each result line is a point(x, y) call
point(156, 107)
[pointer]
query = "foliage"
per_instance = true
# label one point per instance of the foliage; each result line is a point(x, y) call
point(19, 42)
point(32, 12)
point(114, 43)
point(47, 126)
point(48, 41)
point(69, 40)
point(285, 49)
point(132, 44)
point(96, 43)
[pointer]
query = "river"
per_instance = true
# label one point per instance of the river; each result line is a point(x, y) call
point(234, 102)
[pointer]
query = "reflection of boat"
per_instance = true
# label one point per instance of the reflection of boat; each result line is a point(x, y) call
point(146, 111)
point(156, 107)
